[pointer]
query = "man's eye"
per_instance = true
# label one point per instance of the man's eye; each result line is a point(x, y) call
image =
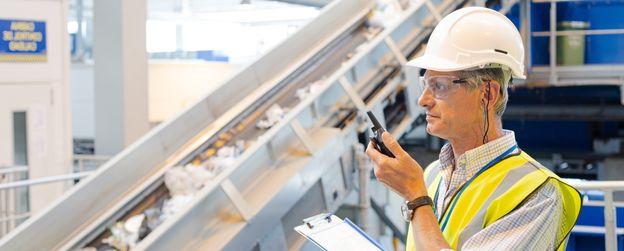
point(439, 86)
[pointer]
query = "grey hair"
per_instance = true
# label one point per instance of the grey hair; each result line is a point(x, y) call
point(502, 76)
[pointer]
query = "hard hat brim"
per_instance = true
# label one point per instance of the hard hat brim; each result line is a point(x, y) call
point(435, 64)
point(442, 65)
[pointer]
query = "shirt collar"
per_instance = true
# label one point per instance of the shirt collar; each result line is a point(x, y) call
point(473, 160)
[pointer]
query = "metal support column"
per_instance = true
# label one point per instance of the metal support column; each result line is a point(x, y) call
point(610, 219)
point(553, 43)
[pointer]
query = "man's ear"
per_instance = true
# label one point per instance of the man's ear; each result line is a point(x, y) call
point(491, 91)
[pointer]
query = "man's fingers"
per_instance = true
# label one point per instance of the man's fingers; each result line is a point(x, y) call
point(382, 165)
point(378, 174)
point(372, 152)
point(378, 158)
point(391, 143)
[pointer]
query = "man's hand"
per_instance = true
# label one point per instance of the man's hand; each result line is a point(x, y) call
point(402, 174)
point(405, 176)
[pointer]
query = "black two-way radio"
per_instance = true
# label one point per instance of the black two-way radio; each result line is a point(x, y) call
point(376, 139)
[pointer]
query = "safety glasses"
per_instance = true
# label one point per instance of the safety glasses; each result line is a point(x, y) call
point(441, 86)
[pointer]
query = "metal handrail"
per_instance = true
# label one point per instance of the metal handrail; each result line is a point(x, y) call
point(579, 32)
point(91, 157)
point(13, 169)
point(14, 217)
point(548, 1)
point(610, 218)
point(614, 185)
point(44, 180)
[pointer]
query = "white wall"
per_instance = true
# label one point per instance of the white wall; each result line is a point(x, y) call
point(173, 86)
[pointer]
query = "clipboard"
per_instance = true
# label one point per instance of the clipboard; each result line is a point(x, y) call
point(330, 233)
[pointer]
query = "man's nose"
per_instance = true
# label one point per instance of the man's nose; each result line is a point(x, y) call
point(426, 99)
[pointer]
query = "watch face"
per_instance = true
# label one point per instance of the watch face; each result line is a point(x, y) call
point(406, 213)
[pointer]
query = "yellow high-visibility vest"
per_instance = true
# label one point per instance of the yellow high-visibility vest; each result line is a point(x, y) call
point(495, 191)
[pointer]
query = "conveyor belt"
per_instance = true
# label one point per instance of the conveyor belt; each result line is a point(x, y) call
point(299, 166)
point(243, 126)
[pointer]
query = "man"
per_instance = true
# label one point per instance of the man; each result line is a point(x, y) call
point(484, 192)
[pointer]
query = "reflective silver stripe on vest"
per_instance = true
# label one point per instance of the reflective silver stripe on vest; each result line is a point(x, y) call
point(477, 222)
point(433, 173)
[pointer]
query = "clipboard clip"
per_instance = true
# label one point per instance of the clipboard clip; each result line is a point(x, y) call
point(318, 219)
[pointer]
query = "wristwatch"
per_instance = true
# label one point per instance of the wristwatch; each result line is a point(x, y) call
point(407, 209)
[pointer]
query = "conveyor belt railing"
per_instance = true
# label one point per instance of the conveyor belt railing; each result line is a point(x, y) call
point(128, 174)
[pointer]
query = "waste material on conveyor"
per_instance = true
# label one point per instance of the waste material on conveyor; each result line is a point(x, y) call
point(124, 235)
point(274, 115)
point(304, 92)
point(183, 182)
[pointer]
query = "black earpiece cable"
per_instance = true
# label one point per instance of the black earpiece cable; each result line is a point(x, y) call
point(487, 120)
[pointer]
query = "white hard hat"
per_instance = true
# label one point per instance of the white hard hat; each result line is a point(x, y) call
point(473, 37)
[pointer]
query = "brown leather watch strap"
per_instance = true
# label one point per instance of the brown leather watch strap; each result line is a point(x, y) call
point(419, 202)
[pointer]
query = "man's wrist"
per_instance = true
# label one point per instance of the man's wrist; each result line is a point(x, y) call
point(420, 209)
point(420, 191)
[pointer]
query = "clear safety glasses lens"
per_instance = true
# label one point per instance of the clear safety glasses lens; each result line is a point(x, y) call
point(440, 87)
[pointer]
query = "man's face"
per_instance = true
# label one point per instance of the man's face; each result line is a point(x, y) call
point(453, 109)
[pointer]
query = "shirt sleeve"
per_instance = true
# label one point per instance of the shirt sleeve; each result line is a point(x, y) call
point(532, 226)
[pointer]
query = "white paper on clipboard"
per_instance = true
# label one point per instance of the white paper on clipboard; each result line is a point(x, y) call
point(330, 233)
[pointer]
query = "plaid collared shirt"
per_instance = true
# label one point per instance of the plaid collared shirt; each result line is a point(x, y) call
point(532, 226)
